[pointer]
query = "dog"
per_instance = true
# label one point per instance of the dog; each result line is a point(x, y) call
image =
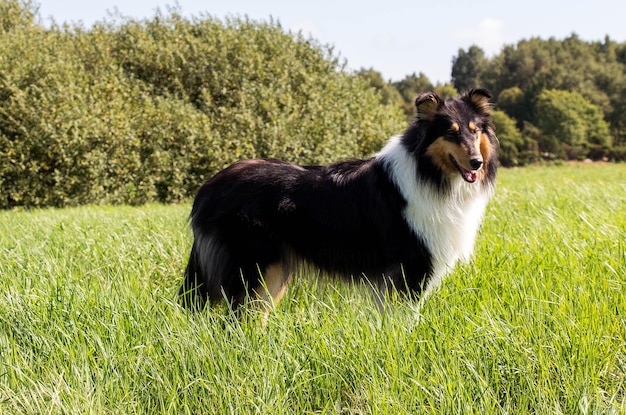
point(400, 219)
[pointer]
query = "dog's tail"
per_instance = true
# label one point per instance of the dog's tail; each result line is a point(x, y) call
point(193, 293)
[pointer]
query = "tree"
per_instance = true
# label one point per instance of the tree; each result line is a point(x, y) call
point(446, 91)
point(510, 138)
point(410, 87)
point(16, 14)
point(513, 101)
point(389, 95)
point(135, 111)
point(468, 67)
point(570, 123)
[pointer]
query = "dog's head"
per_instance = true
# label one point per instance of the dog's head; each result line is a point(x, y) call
point(459, 136)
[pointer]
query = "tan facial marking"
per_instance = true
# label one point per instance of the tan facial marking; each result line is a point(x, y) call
point(484, 147)
point(440, 151)
point(472, 126)
point(437, 152)
point(455, 127)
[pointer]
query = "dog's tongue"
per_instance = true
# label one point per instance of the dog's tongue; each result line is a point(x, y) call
point(470, 176)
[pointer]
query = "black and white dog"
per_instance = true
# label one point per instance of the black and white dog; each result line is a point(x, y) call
point(401, 219)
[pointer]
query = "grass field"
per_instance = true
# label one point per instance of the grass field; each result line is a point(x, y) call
point(535, 324)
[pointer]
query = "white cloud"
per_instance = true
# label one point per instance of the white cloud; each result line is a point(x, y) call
point(487, 33)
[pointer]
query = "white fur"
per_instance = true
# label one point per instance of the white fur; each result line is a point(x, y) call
point(446, 222)
point(211, 256)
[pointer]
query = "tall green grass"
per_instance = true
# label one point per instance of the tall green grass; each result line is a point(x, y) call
point(535, 324)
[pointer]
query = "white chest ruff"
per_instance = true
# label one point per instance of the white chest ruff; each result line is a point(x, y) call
point(447, 223)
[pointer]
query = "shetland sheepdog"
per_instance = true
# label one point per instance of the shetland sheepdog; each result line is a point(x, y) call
point(400, 219)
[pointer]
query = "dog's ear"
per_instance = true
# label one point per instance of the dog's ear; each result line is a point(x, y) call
point(427, 105)
point(479, 98)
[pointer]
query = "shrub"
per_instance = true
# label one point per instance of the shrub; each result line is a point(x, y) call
point(134, 111)
point(570, 124)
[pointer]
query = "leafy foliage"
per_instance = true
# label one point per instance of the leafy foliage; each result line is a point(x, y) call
point(135, 111)
point(467, 68)
point(389, 94)
point(510, 138)
point(567, 95)
point(569, 122)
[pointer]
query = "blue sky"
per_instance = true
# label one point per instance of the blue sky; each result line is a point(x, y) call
point(394, 37)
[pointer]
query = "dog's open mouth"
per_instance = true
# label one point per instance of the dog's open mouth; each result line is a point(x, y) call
point(469, 176)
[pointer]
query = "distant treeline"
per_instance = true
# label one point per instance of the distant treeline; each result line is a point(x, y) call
point(131, 111)
point(554, 99)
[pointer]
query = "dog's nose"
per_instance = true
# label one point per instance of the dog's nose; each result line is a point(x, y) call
point(476, 163)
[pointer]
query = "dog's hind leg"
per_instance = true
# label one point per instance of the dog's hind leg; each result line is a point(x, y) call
point(276, 279)
point(273, 282)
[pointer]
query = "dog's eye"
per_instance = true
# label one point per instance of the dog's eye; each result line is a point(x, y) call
point(473, 127)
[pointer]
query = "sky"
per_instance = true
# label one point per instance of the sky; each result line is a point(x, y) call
point(396, 38)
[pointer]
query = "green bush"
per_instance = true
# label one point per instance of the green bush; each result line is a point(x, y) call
point(510, 138)
point(134, 111)
point(570, 124)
